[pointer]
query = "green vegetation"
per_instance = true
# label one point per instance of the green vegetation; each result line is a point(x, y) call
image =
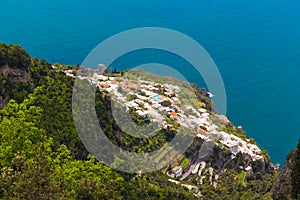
point(14, 56)
point(42, 156)
point(166, 103)
point(30, 169)
point(239, 185)
point(184, 162)
point(241, 178)
point(190, 94)
point(11, 90)
point(14, 72)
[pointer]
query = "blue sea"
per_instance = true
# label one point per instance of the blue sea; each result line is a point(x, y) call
point(254, 43)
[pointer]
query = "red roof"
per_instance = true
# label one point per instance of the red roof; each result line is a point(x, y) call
point(105, 85)
point(173, 114)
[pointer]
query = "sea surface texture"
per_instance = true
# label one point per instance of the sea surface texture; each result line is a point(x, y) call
point(255, 44)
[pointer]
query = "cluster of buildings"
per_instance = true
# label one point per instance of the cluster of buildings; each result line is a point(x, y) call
point(234, 143)
point(156, 102)
point(152, 101)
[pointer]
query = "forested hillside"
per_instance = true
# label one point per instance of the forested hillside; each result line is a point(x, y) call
point(42, 156)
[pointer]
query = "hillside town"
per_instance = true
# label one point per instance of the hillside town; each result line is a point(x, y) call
point(157, 102)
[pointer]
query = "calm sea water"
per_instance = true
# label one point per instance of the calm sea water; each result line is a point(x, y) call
point(255, 44)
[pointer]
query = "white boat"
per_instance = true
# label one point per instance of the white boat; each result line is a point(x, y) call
point(210, 94)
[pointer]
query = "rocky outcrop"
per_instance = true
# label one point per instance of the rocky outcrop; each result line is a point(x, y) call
point(287, 185)
point(283, 184)
point(282, 187)
point(3, 102)
point(15, 75)
point(220, 158)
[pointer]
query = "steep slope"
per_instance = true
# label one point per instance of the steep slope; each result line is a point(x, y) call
point(14, 73)
point(287, 185)
point(42, 156)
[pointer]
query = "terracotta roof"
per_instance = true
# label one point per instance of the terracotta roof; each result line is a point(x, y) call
point(105, 85)
point(174, 114)
point(202, 131)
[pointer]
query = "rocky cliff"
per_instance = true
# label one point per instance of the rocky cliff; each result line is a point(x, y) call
point(12, 78)
point(15, 75)
point(282, 187)
point(14, 72)
point(287, 185)
point(220, 158)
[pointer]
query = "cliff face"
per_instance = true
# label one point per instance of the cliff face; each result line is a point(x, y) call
point(12, 78)
point(15, 75)
point(3, 102)
point(220, 158)
point(283, 184)
point(287, 185)
point(14, 72)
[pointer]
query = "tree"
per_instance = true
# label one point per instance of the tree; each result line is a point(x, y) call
point(18, 131)
point(166, 103)
point(14, 56)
